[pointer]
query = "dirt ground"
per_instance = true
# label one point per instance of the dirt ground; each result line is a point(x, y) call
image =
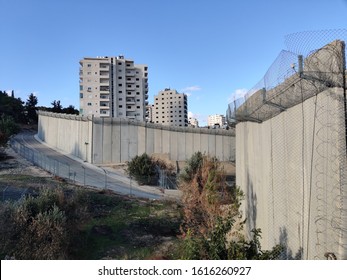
point(12, 163)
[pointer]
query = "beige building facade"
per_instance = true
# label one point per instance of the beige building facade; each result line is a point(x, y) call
point(113, 87)
point(193, 122)
point(216, 119)
point(170, 108)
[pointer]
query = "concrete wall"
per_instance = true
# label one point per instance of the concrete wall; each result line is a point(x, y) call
point(68, 133)
point(292, 168)
point(293, 171)
point(118, 140)
point(114, 140)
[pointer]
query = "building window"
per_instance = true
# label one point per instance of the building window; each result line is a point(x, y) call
point(120, 106)
point(119, 63)
point(89, 65)
point(120, 85)
point(89, 104)
point(81, 95)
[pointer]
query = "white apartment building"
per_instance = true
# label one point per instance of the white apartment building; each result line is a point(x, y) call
point(149, 113)
point(193, 122)
point(170, 108)
point(113, 87)
point(216, 119)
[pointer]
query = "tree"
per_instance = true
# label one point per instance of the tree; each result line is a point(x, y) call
point(30, 107)
point(12, 107)
point(70, 110)
point(7, 127)
point(57, 107)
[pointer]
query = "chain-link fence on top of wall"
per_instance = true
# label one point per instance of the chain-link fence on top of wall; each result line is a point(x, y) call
point(99, 177)
point(291, 148)
point(264, 101)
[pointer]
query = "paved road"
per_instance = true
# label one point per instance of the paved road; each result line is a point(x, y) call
point(79, 171)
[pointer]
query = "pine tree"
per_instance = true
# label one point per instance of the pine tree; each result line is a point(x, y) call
point(30, 107)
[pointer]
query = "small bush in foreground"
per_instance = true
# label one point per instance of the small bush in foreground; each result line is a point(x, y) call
point(40, 227)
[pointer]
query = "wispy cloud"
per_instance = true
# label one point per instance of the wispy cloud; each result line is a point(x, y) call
point(238, 93)
point(191, 88)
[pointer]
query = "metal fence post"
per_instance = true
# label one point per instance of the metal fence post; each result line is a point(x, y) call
point(84, 175)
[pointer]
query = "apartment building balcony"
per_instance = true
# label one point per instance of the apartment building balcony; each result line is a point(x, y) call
point(130, 73)
point(105, 97)
point(104, 105)
point(130, 87)
point(131, 109)
point(104, 66)
point(131, 94)
point(130, 101)
point(130, 81)
point(104, 73)
point(104, 89)
point(129, 65)
point(104, 81)
point(104, 113)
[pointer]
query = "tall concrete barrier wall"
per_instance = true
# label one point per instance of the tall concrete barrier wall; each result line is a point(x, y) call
point(113, 140)
point(118, 140)
point(292, 167)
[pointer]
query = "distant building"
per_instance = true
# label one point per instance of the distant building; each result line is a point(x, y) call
point(149, 113)
point(113, 87)
point(216, 120)
point(193, 122)
point(170, 108)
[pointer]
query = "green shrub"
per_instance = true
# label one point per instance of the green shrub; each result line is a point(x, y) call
point(143, 169)
point(41, 227)
point(7, 127)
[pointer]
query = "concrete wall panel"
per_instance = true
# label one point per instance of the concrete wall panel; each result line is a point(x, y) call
point(174, 145)
point(116, 141)
point(143, 133)
point(150, 140)
point(158, 140)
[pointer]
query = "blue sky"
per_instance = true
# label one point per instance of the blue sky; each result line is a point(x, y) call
point(209, 49)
